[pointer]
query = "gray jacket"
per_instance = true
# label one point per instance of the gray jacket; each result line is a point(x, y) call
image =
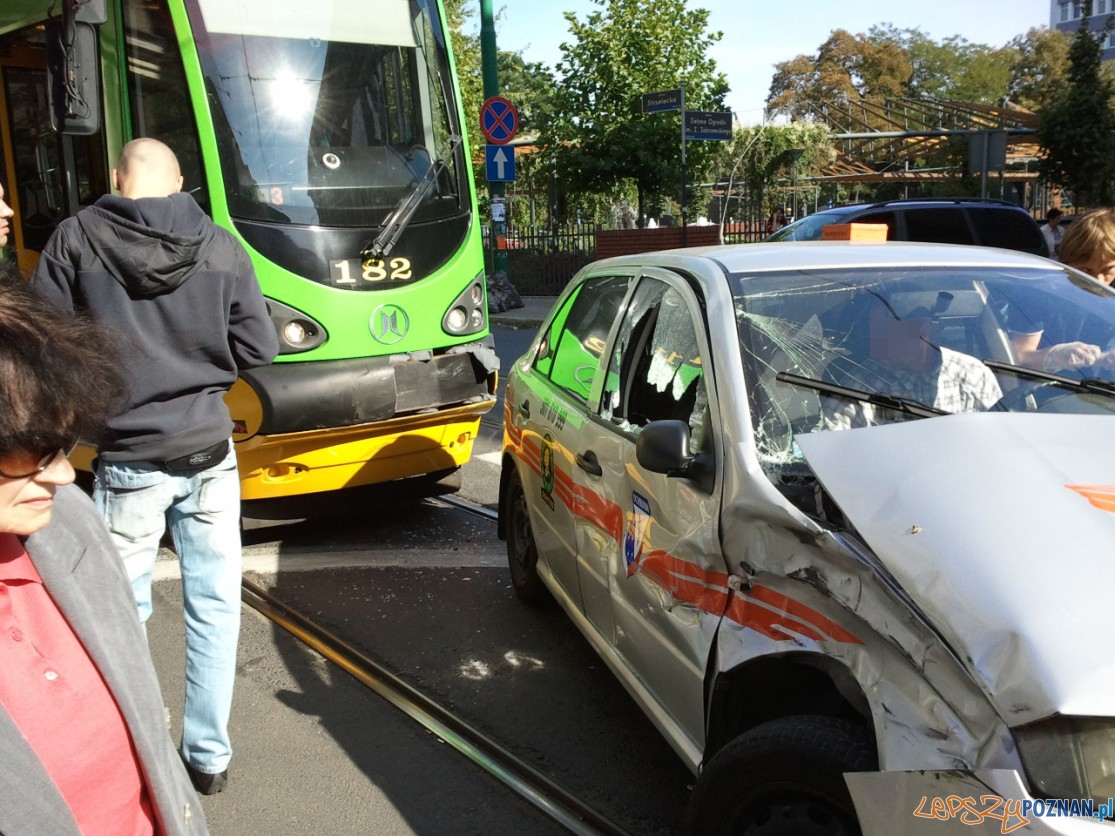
point(81, 571)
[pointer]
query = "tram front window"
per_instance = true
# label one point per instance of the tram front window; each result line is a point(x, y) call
point(330, 118)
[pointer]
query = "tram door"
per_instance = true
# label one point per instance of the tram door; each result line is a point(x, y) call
point(46, 176)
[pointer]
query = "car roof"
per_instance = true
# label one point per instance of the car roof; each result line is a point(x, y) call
point(913, 202)
point(818, 255)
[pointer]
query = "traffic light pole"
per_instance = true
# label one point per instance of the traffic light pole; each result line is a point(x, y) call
point(490, 74)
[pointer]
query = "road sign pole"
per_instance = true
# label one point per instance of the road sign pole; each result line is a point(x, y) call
point(684, 225)
point(490, 71)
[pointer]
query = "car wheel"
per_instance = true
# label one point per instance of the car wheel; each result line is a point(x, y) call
point(522, 553)
point(783, 778)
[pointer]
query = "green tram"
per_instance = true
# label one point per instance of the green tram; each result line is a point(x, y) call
point(329, 137)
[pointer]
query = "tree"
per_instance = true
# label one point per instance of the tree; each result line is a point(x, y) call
point(762, 152)
point(619, 52)
point(956, 69)
point(846, 68)
point(1077, 130)
point(890, 62)
point(1040, 71)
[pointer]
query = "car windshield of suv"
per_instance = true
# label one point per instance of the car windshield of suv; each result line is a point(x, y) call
point(829, 350)
point(806, 229)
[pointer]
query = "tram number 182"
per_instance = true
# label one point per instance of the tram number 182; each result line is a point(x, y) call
point(350, 272)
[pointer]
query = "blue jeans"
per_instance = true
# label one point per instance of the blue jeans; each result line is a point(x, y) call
point(138, 500)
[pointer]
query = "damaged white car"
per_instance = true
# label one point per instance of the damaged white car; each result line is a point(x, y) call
point(841, 517)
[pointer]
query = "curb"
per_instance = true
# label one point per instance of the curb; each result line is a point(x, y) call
point(514, 321)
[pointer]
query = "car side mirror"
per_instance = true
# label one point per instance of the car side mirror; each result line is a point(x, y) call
point(663, 447)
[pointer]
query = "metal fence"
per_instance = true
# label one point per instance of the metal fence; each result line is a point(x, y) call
point(542, 260)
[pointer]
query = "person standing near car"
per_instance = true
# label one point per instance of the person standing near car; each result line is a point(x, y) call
point(1089, 245)
point(1053, 233)
point(777, 221)
point(183, 296)
point(83, 737)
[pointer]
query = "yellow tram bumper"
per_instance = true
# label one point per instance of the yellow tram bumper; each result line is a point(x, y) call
point(314, 461)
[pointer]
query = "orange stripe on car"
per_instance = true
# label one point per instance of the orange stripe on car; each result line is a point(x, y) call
point(762, 609)
point(1101, 496)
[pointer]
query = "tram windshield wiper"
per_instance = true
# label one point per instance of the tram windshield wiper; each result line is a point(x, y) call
point(893, 402)
point(395, 223)
point(1098, 385)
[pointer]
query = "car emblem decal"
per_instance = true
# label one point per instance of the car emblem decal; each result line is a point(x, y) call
point(636, 531)
point(546, 465)
point(389, 324)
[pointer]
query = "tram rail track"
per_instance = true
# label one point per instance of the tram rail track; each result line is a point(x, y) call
point(482, 511)
point(554, 801)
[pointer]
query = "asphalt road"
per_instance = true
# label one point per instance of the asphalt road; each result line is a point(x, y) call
point(422, 588)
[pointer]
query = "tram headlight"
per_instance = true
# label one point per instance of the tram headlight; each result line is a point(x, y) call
point(297, 332)
point(456, 320)
point(469, 312)
point(294, 332)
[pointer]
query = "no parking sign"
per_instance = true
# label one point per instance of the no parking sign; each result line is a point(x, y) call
point(499, 120)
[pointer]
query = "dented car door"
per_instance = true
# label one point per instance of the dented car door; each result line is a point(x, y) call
point(650, 566)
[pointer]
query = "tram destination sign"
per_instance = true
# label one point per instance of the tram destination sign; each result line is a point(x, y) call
point(661, 101)
point(706, 124)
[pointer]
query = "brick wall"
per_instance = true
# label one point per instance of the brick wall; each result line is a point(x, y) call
point(610, 242)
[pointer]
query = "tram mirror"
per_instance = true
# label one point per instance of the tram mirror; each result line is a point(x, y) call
point(72, 67)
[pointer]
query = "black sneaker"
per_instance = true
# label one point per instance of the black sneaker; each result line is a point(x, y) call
point(207, 783)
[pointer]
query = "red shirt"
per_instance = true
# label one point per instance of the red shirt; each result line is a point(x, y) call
point(56, 696)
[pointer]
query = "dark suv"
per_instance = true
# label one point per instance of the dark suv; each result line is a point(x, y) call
point(989, 223)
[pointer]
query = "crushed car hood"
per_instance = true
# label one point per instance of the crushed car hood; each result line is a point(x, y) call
point(1001, 528)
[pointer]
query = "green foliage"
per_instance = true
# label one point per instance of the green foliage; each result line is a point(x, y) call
point(956, 68)
point(622, 50)
point(845, 68)
point(1076, 130)
point(1040, 71)
point(762, 154)
point(906, 62)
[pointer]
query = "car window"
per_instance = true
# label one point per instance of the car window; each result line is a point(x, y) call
point(879, 218)
point(655, 371)
point(934, 332)
point(1007, 228)
point(570, 351)
point(937, 225)
point(824, 327)
point(806, 229)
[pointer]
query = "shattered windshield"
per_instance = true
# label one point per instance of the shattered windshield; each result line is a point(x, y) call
point(841, 349)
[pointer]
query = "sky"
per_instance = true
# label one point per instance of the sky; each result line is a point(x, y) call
point(760, 33)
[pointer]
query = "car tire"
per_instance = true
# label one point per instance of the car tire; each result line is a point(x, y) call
point(522, 551)
point(783, 778)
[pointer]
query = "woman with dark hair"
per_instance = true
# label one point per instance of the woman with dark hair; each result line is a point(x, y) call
point(84, 746)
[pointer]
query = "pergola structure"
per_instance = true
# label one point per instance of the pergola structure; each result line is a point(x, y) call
point(889, 140)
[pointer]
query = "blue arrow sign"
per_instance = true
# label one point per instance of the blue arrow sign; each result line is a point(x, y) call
point(500, 163)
